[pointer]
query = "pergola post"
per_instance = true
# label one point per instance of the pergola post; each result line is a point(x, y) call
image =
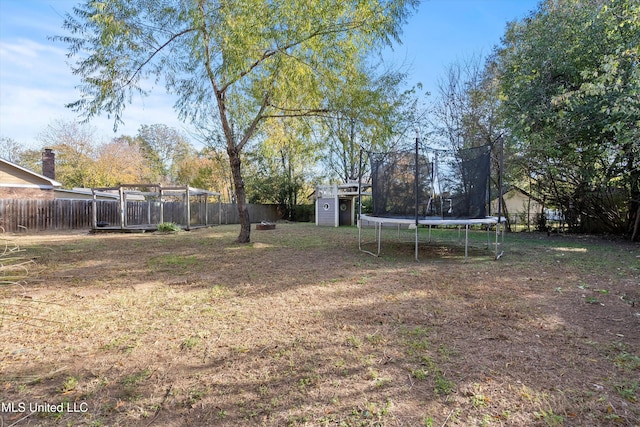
point(187, 208)
point(206, 209)
point(161, 204)
point(94, 214)
point(123, 208)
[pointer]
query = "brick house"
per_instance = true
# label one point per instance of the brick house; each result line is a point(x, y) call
point(17, 182)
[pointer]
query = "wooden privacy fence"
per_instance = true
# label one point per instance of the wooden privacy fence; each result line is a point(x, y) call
point(139, 213)
point(63, 214)
point(33, 215)
point(257, 213)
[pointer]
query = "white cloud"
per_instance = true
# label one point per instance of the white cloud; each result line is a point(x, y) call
point(36, 83)
point(26, 111)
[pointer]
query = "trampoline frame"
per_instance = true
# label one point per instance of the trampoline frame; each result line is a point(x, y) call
point(378, 222)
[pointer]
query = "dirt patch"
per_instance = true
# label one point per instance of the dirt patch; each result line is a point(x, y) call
point(301, 328)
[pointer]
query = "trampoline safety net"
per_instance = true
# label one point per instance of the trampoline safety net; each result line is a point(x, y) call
point(437, 184)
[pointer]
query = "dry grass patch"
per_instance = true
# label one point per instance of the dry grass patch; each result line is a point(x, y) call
point(300, 328)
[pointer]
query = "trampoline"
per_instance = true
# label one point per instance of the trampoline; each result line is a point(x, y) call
point(426, 188)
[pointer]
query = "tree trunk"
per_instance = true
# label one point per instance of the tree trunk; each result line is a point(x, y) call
point(635, 234)
point(505, 213)
point(238, 183)
point(634, 192)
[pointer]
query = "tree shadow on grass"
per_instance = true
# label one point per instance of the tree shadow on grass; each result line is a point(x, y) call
point(330, 336)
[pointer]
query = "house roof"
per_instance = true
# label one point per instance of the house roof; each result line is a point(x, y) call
point(16, 176)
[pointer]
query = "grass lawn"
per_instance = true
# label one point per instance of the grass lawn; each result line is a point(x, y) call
point(299, 328)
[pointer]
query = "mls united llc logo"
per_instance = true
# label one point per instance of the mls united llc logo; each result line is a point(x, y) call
point(65, 407)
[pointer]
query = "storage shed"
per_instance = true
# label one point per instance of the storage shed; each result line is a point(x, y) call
point(336, 204)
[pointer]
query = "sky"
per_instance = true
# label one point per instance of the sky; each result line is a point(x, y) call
point(36, 81)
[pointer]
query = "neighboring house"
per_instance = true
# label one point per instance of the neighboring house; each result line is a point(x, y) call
point(17, 182)
point(522, 209)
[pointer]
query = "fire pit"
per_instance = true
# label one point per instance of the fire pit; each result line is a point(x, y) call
point(266, 226)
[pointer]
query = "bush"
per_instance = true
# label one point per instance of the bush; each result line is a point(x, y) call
point(304, 213)
point(169, 227)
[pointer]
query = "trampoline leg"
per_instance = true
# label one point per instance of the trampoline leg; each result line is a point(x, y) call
point(488, 236)
point(378, 233)
point(497, 231)
point(417, 243)
point(466, 241)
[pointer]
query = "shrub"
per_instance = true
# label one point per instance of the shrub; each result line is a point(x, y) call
point(169, 227)
point(541, 222)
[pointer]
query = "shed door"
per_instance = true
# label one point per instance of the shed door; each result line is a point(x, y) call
point(345, 212)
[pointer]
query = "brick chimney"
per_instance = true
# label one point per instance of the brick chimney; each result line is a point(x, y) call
point(49, 163)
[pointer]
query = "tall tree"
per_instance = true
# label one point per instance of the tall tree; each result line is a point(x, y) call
point(75, 146)
point(467, 112)
point(467, 107)
point(369, 113)
point(15, 152)
point(208, 170)
point(120, 162)
point(240, 62)
point(164, 148)
point(83, 161)
point(284, 160)
point(570, 77)
point(10, 149)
